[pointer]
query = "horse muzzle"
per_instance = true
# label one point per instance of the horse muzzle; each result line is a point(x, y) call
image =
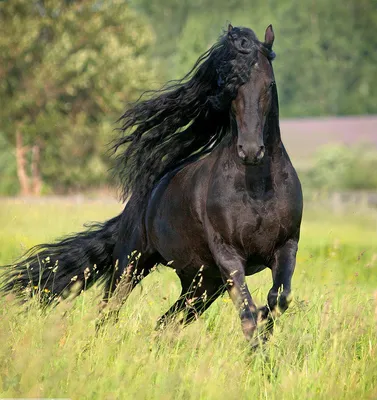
point(252, 156)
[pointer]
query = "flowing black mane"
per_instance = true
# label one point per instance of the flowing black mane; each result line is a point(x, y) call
point(187, 117)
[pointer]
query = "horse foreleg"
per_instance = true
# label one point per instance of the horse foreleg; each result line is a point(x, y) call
point(282, 270)
point(232, 268)
point(241, 297)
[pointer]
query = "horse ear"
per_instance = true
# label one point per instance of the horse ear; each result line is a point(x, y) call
point(231, 34)
point(269, 36)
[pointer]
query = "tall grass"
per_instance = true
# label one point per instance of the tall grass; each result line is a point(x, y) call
point(324, 347)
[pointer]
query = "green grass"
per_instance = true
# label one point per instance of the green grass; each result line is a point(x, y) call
point(324, 347)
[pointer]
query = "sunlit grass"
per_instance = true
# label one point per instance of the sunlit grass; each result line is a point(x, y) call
point(324, 347)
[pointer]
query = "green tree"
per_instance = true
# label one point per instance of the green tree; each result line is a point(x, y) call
point(343, 167)
point(68, 69)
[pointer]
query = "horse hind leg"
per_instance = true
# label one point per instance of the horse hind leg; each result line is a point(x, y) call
point(197, 294)
point(129, 270)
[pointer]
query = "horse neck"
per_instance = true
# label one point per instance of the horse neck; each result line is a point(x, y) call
point(274, 145)
point(273, 138)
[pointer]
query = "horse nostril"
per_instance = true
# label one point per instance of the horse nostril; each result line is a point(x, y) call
point(241, 152)
point(260, 153)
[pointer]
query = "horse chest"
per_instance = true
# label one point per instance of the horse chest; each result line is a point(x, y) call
point(260, 225)
point(256, 224)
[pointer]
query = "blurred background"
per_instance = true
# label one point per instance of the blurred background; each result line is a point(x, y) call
point(69, 68)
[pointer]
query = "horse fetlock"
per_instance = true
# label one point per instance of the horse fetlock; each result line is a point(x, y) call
point(263, 313)
point(284, 300)
point(249, 326)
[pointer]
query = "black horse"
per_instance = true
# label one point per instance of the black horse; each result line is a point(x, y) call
point(212, 193)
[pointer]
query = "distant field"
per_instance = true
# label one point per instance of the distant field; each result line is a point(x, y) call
point(304, 136)
point(324, 347)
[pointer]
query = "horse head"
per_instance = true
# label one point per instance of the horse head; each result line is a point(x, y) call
point(253, 101)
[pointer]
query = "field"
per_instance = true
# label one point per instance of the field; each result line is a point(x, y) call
point(324, 347)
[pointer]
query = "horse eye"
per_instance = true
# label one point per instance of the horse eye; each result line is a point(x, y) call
point(272, 84)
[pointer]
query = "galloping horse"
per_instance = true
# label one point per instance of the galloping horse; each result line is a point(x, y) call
point(212, 193)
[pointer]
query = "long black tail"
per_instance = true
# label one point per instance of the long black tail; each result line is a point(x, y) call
point(52, 269)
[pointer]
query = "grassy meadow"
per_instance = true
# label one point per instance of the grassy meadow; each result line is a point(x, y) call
point(324, 346)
